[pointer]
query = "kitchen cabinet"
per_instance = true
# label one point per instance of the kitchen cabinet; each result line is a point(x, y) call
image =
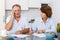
point(23, 3)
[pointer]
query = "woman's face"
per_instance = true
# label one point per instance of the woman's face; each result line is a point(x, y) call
point(43, 15)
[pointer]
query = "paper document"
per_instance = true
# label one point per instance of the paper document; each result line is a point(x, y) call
point(39, 35)
point(20, 35)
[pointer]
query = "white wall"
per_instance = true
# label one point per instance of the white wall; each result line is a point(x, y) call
point(10, 3)
point(2, 14)
point(56, 10)
point(35, 3)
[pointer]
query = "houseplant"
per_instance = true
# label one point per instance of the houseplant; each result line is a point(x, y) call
point(58, 31)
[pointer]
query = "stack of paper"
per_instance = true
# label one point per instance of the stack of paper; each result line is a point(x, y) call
point(20, 35)
point(39, 35)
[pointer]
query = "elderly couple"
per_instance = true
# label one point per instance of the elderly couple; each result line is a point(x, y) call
point(17, 24)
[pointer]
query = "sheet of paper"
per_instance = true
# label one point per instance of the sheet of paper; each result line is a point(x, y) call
point(39, 35)
point(20, 35)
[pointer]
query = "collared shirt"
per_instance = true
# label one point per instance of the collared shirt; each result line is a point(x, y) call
point(23, 23)
point(40, 25)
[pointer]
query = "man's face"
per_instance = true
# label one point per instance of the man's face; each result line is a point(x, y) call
point(17, 11)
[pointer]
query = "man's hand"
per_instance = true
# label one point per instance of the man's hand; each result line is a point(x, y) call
point(18, 32)
point(12, 14)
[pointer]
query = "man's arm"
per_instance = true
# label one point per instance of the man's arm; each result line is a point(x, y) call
point(26, 30)
point(10, 23)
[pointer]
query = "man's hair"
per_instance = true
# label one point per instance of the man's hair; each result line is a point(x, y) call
point(47, 10)
point(16, 5)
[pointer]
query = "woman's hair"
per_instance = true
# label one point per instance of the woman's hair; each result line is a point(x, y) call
point(47, 10)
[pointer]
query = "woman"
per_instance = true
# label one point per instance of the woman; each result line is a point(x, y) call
point(45, 24)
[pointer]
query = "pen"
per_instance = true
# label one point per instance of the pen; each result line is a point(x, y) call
point(14, 37)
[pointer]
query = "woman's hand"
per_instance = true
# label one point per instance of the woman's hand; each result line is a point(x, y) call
point(31, 32)
point(50, 32)
point(43, 31)
point(40, 31)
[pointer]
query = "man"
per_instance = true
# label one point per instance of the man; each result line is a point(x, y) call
point(16, 23)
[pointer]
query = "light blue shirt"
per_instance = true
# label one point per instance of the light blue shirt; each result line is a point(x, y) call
point(22, 24)
point(48, 26)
